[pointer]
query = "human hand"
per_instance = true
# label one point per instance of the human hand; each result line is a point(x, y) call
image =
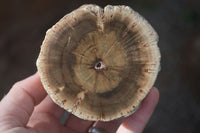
point(28, 109)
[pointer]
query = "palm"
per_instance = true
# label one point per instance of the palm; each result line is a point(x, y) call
point(46, 121)
point(46, 124)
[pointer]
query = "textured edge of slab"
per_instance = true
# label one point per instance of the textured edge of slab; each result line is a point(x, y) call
point(134, 18)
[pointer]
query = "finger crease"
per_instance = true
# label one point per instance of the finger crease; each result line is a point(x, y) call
point(31, 96)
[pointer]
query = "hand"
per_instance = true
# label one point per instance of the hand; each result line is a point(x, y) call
point(28, 109)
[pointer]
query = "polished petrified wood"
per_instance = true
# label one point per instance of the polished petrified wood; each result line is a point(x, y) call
point(99, 64)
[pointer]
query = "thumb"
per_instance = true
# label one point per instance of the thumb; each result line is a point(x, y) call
point(136, 122)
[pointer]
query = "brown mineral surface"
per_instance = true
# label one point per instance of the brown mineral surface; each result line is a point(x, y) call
point(99, 64)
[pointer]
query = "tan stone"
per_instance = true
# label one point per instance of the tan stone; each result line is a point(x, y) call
point(99, 64)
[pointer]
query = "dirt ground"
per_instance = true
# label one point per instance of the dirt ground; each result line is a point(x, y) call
point(22, 29)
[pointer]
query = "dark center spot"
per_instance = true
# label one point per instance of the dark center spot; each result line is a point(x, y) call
point(99, 64)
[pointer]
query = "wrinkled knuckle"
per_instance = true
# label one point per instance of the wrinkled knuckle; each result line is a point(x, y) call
point(17, 85)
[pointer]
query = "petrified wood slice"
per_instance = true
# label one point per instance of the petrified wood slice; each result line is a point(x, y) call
point(99, 63)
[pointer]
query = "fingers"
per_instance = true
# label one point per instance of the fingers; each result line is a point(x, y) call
point(49, 107)
point(77, 124)
point(19, 103)
point(110, 127)
point(136, 122)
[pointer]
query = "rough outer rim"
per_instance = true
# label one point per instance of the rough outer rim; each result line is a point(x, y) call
point(141, 21)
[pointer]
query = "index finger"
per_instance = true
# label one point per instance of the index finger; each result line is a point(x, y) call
point(21, 99)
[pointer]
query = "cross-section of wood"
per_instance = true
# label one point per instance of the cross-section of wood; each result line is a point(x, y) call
point(99, 63)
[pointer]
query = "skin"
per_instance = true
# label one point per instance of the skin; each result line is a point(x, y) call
point(28, 109)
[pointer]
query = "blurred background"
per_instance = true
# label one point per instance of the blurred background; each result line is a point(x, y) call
point(23, 24)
